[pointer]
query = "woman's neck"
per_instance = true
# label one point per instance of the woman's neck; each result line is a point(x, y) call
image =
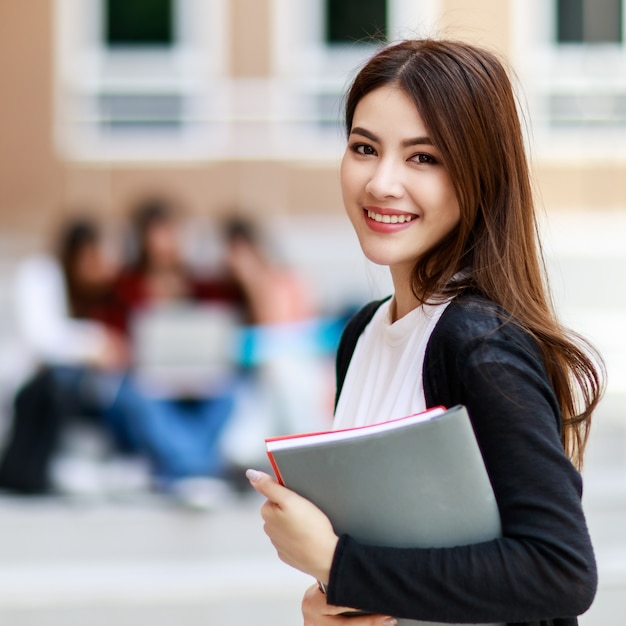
point(403, 302)
point(404, 299)
point(401, 306)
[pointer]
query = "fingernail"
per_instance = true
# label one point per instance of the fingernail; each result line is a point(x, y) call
point(253, 475)
point(390, 621)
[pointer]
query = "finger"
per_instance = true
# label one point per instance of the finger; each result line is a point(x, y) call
point(316, 610)
point(267, 486)
point(316, 598)
point(269, 511)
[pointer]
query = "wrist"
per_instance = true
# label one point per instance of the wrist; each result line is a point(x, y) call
point(323, 571)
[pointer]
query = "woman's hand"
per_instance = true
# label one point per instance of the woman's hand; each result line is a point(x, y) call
point(317, 612)
point(302, 535)
point(113, 353)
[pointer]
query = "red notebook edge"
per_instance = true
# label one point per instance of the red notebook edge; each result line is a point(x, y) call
point(274, 465)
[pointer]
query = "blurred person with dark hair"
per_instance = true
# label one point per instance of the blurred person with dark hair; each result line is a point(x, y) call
point(289, 382)
point(154, 271)
point(64, 314)
point(157, 271)
point(178, 419)
point(275, 293)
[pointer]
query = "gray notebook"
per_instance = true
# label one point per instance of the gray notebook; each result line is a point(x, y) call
point(426, 469)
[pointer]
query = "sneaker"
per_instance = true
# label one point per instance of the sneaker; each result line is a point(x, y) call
point(202, 493)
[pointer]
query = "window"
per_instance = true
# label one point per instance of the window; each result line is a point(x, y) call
point(350, 21)
point(571, 58)
point(139, 23)
point(134, 28)
point(587, 24)
point(588, 21)
point(138, 79)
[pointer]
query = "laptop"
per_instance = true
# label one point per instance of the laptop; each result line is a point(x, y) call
point(185, 350)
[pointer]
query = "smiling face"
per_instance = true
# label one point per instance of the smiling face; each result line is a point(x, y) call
point(396, 190)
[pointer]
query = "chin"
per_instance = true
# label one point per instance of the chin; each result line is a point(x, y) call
point(379, 257)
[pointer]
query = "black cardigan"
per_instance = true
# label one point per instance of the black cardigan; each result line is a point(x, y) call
point(542, 571)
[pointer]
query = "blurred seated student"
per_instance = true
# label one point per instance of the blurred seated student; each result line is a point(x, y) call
point(276, 293)
point(177, 425)
point(157, 271)
point(64, 318)
point(290, 380)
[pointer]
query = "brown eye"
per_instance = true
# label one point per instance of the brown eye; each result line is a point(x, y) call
point(363, 148)
point(424, 158)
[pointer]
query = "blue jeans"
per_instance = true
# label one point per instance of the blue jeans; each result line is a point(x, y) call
point(180, 437)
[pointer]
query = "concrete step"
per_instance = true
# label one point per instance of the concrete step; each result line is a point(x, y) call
point(225, 590)
point(152, 563)
point(149, 563)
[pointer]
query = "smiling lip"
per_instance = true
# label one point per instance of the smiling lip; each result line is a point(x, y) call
point(387, 220)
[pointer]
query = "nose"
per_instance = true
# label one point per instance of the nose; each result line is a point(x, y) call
point(385, 181)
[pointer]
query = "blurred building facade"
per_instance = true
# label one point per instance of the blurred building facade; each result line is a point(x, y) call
point(228, 103)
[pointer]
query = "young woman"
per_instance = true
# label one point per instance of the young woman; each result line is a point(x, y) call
point(436, 184)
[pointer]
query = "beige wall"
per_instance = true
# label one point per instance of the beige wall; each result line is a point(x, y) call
point(485, 23)
point(582, 187)
point(259, 187)
point(30, 174)
point(36, 186)
point(249, 29)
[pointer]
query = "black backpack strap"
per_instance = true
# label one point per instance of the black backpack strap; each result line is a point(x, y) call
point(349, 337)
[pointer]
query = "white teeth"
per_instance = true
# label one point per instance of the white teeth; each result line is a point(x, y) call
point(389, 219)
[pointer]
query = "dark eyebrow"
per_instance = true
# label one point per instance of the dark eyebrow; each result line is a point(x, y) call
point(414, 141)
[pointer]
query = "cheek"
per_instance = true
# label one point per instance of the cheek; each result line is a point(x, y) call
point(441, 197)
point(344, 175)
point(449, 217)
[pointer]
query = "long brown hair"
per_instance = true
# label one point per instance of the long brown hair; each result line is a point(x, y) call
point(75, 239)
point(464, 96)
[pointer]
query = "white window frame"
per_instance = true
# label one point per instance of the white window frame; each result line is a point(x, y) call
point(546, 68)
point(191, 69)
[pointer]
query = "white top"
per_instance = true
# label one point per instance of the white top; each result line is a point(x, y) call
point(43, 319)
point(384, 378)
